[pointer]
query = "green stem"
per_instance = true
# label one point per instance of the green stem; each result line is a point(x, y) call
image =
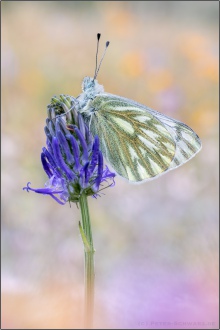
point(86, 234)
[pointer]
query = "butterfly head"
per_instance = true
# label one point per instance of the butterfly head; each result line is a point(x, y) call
point(88, 83)
point(91, 86)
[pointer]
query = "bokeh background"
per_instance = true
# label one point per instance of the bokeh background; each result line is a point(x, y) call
point(156, 243)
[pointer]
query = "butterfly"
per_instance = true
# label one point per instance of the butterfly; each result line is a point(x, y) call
point(139, 143)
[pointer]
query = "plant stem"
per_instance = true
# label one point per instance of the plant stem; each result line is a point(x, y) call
point(86, 234)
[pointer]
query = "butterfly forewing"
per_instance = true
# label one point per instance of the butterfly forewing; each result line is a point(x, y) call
point(137, 141)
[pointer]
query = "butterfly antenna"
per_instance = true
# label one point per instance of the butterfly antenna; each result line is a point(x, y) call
point(106, 46)
point(96, 57)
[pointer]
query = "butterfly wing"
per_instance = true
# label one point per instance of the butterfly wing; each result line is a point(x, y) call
point(138, 142)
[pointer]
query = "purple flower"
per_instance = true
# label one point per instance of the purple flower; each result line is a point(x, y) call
point(72, 160)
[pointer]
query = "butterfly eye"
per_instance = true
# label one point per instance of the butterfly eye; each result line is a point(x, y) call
point(87, 83)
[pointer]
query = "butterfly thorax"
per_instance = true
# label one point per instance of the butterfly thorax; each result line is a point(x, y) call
point(91, 89)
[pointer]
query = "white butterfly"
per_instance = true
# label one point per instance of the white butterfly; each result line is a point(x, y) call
point(139, 143)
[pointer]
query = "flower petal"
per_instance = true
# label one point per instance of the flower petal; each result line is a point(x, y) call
point(45, 164)
point(45, 191)
point(83, 144)
point(60, 161)
point(75, 150)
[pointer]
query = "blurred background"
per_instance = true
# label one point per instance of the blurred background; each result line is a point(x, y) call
point(157, 243)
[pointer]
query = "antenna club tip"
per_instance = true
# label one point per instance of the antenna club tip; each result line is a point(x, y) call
point(98, 35)
point(107, 44)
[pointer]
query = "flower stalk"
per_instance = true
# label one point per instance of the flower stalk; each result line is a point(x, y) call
point(89, 279)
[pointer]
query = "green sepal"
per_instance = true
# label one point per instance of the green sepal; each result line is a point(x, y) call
point(87, 246)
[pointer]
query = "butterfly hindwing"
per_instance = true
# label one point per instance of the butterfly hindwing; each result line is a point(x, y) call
point(187, 141)
point(138, 142)
point(133, 140)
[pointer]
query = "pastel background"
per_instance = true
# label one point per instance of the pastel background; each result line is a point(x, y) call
point(157, 243)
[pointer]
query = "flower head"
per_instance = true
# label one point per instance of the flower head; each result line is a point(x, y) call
point(72, 160)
